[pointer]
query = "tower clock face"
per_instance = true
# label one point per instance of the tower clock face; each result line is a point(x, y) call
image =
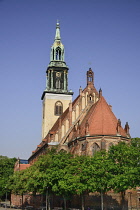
point(58, 74)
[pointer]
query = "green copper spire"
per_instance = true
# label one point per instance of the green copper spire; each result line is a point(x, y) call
point(57, 71)
point(57, 49)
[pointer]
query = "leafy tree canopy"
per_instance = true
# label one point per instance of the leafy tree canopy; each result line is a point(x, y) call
point(100, 172)
point(124, 167)
point(6, 170)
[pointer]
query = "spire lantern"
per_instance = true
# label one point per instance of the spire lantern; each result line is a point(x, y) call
point(90, 77)
point(57, 49)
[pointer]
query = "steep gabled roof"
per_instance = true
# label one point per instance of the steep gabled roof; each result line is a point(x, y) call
point(101, 120)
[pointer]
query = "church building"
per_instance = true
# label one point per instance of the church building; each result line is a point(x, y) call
point(82, 126)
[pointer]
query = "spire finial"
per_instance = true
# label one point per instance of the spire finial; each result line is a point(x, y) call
point(57, 35)
point(100, 93)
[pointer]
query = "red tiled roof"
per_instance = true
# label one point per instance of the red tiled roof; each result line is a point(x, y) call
point(101, 120)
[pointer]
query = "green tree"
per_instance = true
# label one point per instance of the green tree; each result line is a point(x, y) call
point(135, 142)
point(124, 168)
point(18, 181)
point(56, 174)
point(62, 174)
point(77, 175)
point(6, 170)
point(100, 174)
point(47, 175)
point(135, 147)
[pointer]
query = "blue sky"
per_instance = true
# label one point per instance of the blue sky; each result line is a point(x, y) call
point(101, 34)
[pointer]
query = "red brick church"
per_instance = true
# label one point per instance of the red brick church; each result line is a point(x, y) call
point(82, 126)
point(86, 126)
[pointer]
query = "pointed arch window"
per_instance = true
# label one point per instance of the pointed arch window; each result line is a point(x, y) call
point(58, 110)
point(95, 148)
point(53, 54)
point(84, 146)
point(90, 78)
point(58, 53)
point(90, 98)
point(58, 83)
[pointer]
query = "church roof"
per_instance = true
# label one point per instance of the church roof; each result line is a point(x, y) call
point(101, 120)
point(88, 115)
point(99, 117)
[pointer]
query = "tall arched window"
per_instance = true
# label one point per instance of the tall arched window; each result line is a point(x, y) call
point(58, 83)
point(53, 54)
point(58, 110)
point(95, 148)
point(58, 54)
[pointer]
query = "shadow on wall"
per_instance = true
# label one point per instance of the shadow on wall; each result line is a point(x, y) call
point(92, 202)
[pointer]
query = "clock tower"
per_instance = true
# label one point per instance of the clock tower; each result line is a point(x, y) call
point(56, 97)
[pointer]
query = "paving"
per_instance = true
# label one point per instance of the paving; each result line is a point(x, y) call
point(5, 208)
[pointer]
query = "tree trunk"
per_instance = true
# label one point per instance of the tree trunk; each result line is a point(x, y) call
point(22, 201)
point(10, 199)
point(64, 203)
point(130, 201)
point(34, 199)
point(123, 201)
point(82, 199)
point(102, 201)
point(47, 200)
point(6, 200)
point(49, 205)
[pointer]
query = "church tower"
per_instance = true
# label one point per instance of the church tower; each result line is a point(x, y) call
point(56, 97)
